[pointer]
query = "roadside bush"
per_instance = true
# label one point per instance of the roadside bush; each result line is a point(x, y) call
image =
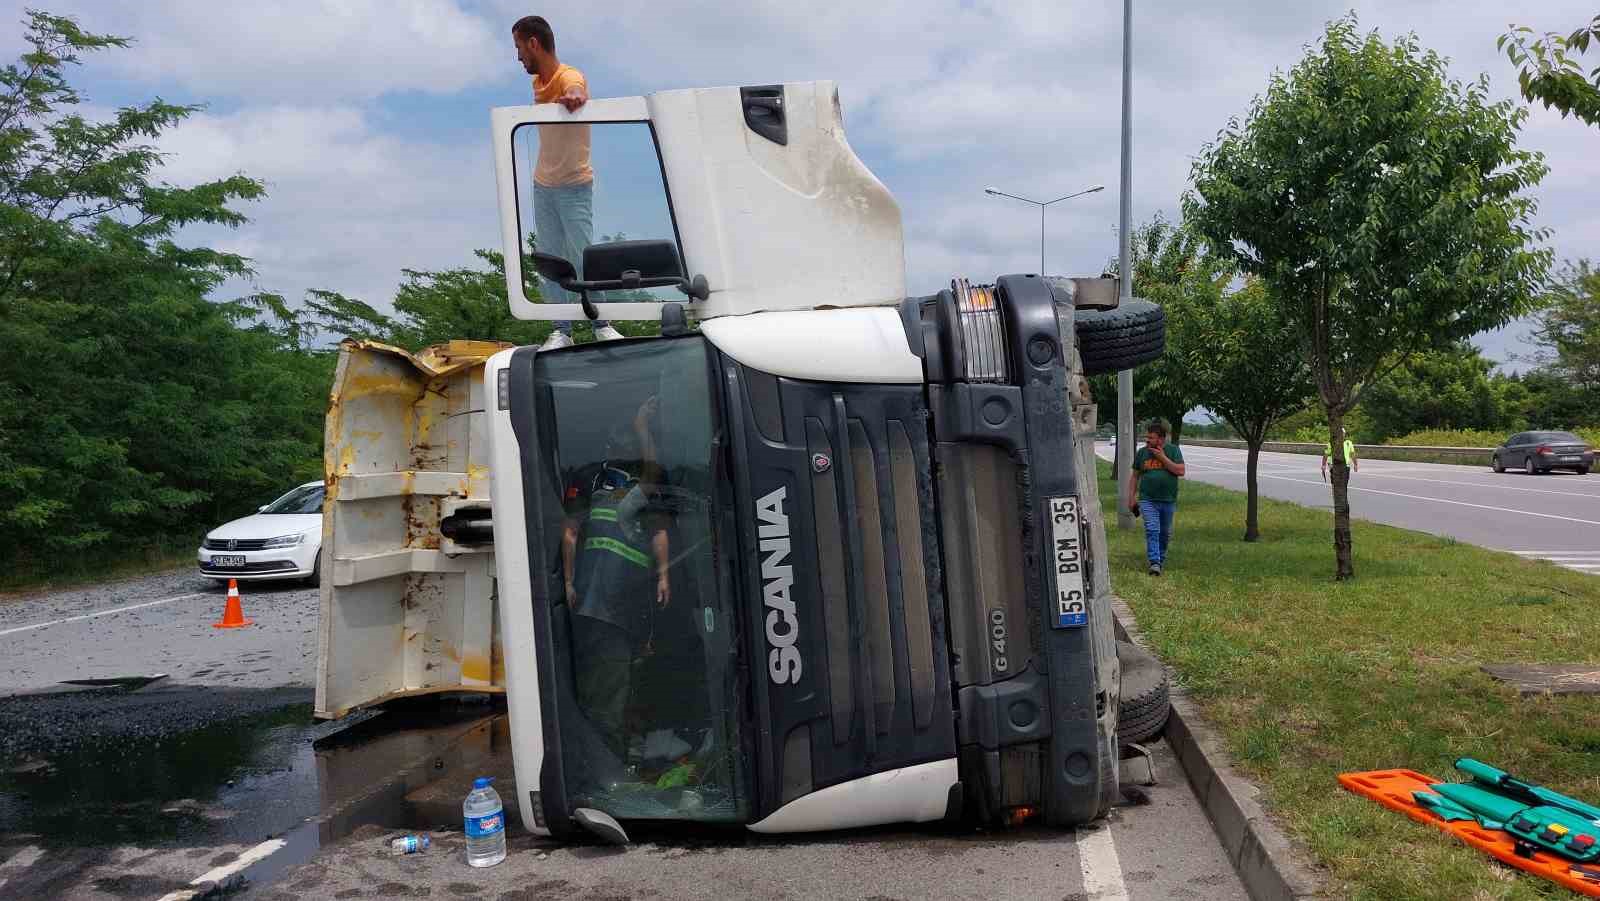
point(1475, 438)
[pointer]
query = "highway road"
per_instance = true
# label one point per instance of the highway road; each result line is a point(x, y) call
point(211, 772)
point(1555, 516)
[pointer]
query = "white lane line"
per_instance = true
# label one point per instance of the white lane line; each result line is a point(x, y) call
point(1491, 485)
point(73, 619)
point(1440, 500)
point(1102, 870)
point(218, 874)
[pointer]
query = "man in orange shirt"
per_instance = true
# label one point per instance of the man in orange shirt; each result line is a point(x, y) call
point(563, 180)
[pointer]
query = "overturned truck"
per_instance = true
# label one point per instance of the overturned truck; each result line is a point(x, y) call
point(817, 555)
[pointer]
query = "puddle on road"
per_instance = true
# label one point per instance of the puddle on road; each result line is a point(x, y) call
point(276, 775)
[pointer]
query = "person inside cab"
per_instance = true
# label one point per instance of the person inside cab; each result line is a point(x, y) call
point(614, 555)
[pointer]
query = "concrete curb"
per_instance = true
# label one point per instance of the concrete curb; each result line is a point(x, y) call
point(1268, 863)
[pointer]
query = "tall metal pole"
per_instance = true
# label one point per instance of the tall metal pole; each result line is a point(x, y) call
point(1041, 239)
point(1125, 436)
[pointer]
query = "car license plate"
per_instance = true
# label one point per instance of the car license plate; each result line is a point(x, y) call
point(227, 559)
point(1066, 556)
point(1571, 459)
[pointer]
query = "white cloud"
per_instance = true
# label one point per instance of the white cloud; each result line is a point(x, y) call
point(347, 206)
point(302, 51)
point(941, 99)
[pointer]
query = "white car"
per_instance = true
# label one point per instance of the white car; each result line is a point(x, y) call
point(283, 540)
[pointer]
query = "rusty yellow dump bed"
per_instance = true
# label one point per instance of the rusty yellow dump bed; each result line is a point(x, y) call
point(405, 610)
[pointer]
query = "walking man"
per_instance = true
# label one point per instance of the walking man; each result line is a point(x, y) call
point(563, 179)
point(1349, 457)
point(1153, 491)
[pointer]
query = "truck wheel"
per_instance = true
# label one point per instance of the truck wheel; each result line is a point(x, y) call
point(1146, 696)
point(1113, 340)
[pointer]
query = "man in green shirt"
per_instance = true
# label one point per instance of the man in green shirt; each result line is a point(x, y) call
point(1349, 457)
point(1153, 491)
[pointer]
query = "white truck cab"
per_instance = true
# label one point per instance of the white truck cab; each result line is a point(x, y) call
point(818, 555)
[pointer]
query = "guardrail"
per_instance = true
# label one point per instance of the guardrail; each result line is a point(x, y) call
point(1466, 456)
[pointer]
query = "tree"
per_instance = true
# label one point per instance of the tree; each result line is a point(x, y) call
point(461, 303)
point(1384, 205)
point(1568, 329)
point(1171, 268)
point(133, 409)
point(1453, 388)
point(1245, 368)
point(1548, 73)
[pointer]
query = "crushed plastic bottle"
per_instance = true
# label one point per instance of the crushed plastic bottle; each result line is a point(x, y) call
point(486, 824)
point(409, 844)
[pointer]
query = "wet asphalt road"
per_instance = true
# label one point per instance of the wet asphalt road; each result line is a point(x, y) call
point(1554, 516)
point(114, 794)
point(158, 624)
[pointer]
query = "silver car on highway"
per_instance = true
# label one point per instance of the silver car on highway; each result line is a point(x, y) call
point(1536, 452)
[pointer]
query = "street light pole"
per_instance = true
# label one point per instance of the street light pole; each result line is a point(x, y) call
point(1041, 204)
point(1125, 436)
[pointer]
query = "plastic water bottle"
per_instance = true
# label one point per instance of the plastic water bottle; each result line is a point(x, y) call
point(409, 844)
point(486, 824)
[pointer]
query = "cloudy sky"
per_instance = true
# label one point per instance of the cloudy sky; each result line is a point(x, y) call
point(368, 119)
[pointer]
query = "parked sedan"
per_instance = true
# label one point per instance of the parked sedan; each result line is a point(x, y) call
point(282, 540)
point(1536, 452)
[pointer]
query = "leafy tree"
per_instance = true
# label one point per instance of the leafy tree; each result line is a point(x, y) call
point(1243, 364)
point(1171, 268)
point(1450, 389)
point(1568, 329)
point(1548, 73)
point(461, 303)
point(1384, 204)
point(133, 410)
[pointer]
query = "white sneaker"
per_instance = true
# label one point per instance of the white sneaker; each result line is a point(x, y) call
point(607, 333)
point(557, 340)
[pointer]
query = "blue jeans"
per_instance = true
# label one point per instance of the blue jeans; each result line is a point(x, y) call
point(563, 224)
point(1157, 528)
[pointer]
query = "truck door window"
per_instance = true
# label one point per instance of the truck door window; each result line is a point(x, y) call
point(583, 184)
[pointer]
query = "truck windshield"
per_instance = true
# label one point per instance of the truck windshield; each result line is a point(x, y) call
point(645, 645)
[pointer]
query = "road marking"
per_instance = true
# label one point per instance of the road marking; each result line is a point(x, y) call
point(1102, 870)
point(21, 860)
point(1440, 500)
point(73, 619)
point(265, 849)
point(1491, 485)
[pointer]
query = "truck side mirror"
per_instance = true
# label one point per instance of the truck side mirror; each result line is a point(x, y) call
point(615, 260)
point(554, 268)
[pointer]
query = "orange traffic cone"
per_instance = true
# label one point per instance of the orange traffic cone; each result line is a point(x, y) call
point(233, 614)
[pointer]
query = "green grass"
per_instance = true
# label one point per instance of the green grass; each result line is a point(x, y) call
point(94, 566)
point(1308, 678)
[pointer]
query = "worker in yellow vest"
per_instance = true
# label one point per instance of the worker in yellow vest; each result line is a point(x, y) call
point(1349, 457)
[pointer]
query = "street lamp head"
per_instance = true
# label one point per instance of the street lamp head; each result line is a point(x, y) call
point(1095, 189)
point(991, 191)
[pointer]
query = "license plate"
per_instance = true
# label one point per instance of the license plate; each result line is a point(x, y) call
point(1066, 557)
point(1571, 459)
point(227, 559)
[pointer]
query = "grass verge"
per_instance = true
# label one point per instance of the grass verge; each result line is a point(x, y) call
point(92, 568)
point(1308, 678)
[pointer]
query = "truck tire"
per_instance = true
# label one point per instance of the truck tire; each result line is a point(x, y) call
point(1146, 695)
point(1113, 340)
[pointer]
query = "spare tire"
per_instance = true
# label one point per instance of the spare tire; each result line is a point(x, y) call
point(1146, 699)
point(1113, 340)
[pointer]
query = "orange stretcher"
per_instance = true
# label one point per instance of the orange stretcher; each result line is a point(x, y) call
point(1393, 788)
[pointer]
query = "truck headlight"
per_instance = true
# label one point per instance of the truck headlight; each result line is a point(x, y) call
point(983, 334)
point(285, 540)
